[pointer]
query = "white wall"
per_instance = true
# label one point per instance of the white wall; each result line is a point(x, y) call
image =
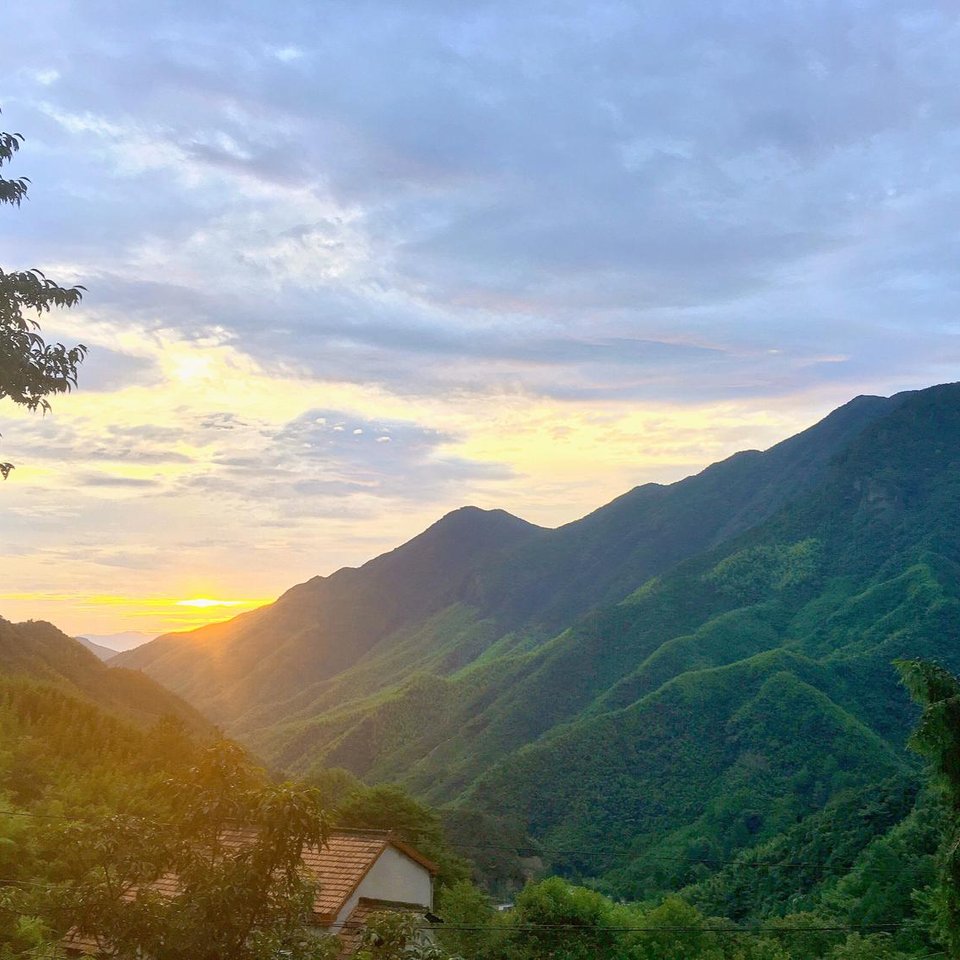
point(393, 877)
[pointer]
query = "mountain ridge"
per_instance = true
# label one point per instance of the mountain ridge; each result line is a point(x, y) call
point(575, 560)
point(355, 603)
point(714, 687)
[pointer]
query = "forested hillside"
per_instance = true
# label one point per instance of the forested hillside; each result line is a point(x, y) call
point(39, 651)
point(689, 674)
point(106, 779)
point(474, 578)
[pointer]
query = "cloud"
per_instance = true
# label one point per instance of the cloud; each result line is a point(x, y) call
point(107, 480)
point(481, 181)
point(65, 442)
point(325, 456)
point(107, 370)
point(532, 251)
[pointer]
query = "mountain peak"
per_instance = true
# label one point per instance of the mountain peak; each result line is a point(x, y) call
point(464, 533)
point(476, 518)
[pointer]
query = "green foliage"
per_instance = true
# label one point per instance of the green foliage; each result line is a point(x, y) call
point(751, 574)
point(672, 929)
point(501, 854)
point(97, 809)
point(39, 650)
point(231, 839)
point(937, 737)
point(31, 369)
point(554, 919)
point(395, 935)
point(876, 946)
point(468, 927)
point(857, 859)
point(335, 785)
point(387, 807)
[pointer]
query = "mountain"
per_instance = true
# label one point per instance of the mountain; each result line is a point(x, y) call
point(101, 653)
point(115, 642)
point(38, 651)
point(481, 575)
point(320, 628)
point(603, 557)
point(702, 666)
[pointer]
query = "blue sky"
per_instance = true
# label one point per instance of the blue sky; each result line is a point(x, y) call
point(353, 264)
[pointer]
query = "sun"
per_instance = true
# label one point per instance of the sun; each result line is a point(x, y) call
point(208, 602)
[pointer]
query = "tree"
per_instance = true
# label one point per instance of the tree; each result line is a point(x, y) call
point(469, 927)
point(219, 878)
point(557, 920)
point(674, 928)
point(388, 807)
point(397, 935)
point(937, 737)
point(31, 370)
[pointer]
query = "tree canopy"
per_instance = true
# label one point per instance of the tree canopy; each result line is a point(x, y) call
point(937, 737)
point(218, 877)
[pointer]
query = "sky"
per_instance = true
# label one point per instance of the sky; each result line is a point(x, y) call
point(353, 264)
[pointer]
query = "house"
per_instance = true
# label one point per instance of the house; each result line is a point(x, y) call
point(358, 872)
point(363, 871)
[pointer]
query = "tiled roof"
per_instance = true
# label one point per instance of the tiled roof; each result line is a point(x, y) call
point(340, 866)
point(352, 932)
point(343, 862)
point(167, 886)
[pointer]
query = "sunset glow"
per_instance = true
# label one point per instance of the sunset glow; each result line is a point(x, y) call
point(204, 602)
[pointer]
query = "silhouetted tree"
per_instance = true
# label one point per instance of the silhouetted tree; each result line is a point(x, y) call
point(31, 369)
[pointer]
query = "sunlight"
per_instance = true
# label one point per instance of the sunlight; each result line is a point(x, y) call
point(207, 602)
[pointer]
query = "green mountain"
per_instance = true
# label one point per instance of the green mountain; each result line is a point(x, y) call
point(320, 628)
point(476, 577)
point(690, 672)
point(37, 651)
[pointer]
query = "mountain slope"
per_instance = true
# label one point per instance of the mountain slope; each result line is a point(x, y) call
point(321, 627)
point(38, 651)
point(115, 642)
point(719, 674)
point(857, 570)
point(601, 558)
point(100, 652)
point(493, 576)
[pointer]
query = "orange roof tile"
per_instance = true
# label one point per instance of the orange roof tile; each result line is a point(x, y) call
point(339, 866)
point(81, 943)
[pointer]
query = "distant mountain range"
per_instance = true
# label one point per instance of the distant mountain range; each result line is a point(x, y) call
point(101, 653)
point(115, 642)
point(703, 665)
